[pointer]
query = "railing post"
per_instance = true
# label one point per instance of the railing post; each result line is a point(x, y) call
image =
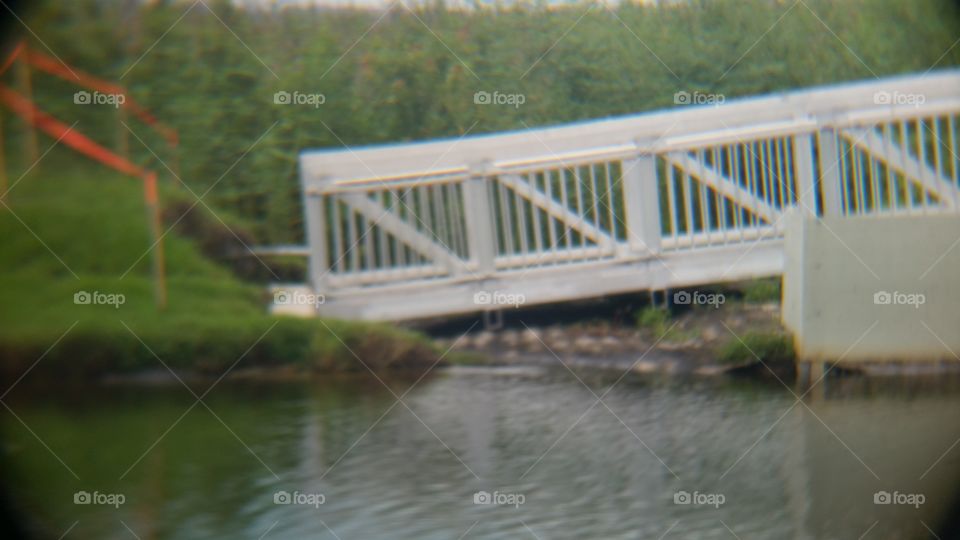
point(830, 173)
point(805, 173)
point(641, 201)
point(316, 231)
point(479, 220)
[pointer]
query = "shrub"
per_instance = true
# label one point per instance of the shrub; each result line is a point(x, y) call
point(762, 290)
point(770, 347)
point(654, 319)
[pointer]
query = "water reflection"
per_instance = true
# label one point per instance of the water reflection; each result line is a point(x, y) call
point(585, 467)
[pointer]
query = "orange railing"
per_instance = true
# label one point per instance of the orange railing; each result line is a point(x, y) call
point(36, 118)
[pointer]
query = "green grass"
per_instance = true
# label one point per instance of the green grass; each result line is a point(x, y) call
point(653, 319)
point(760, 291)
point(770, 347)
point(74, 226)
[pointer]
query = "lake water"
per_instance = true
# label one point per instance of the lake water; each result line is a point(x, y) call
point(751, 460)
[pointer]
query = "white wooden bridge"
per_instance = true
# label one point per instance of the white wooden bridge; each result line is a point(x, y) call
point(675, 198)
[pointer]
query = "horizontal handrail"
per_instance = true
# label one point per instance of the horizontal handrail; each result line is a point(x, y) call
point(414, 159)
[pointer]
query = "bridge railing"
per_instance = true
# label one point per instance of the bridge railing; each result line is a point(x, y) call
point(627, 189)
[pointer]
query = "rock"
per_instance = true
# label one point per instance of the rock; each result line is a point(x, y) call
point(645, 366)
point(530, 336)
point(586, 344)
point(611, 342)
point(560, 346)
point(554, 333)
point(480, 340)
point(709, 370)
point(710, 334)
point(509, 338)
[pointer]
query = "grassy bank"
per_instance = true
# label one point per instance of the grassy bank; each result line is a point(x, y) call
point(73, 227)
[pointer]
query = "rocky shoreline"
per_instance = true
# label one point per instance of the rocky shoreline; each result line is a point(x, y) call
point(689, 342)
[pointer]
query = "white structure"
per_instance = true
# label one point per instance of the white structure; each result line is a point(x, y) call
point(868, 289)
point(674, 198)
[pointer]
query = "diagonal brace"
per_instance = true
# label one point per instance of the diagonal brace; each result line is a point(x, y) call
point(553, 208)
point(724, 185)
point(403, 231)
point(897, 158)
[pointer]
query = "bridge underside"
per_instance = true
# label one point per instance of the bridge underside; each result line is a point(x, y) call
point(558, 284)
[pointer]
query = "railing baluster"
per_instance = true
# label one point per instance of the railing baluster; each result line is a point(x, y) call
point(672, 202)
point(781, 172)
point(337, 240)
point(955, 153)
point(937, 161)
point(594, 196)
point(610, 183)
point(702, 198)
point(565, 202)
point(688, 205)
point(537, 226)
point(519, 204)
point(367, 244)
point(720, 202)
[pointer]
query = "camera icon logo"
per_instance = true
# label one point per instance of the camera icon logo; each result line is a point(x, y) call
point(281, 98)
point(882, 98)
point(881, 497)
point(682, 298)
point(281, 298)
point(681, 98)
point(481, 98)
point(281, 497)
point(82, 97)
point(681, 497)
point(481, 497)
point(82, 298)
point(81, 497)
point(882, 298)
point(482, 298)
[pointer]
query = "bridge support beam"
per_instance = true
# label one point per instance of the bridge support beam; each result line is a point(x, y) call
point(830, 173)
point(804, 171)
point(641, 200)
point(478, 217)
point(316, 230)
